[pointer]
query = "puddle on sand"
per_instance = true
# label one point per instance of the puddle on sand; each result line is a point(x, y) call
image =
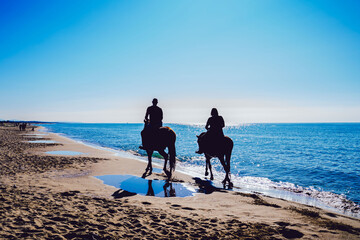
point(157, 170)
point(145, 187)
point(67, 153)
point(35, 134)
point(42, 141)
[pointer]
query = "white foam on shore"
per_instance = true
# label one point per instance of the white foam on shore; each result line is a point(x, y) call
point(284, 190)
point(247, 184)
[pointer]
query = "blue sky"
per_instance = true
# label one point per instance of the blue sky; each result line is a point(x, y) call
point(255, 60)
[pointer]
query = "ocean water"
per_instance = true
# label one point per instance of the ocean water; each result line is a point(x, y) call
point(316, 164)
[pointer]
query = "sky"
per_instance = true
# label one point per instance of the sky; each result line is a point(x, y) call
point(254, 60)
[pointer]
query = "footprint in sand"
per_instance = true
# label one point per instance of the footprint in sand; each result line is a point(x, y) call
point(188, 208)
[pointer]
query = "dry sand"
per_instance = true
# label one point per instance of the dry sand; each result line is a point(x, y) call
point(56, 197)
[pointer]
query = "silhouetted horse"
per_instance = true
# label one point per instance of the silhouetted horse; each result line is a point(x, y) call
point(158, 140)
point(220, 149)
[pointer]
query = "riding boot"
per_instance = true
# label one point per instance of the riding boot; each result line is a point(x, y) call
point(199, 151)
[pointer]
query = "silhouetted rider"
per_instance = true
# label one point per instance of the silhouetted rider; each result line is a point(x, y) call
point(214, 126)
point(153, 121)
point(156, 115)
point(215, 123)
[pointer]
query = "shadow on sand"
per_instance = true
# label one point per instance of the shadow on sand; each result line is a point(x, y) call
point(205, 186)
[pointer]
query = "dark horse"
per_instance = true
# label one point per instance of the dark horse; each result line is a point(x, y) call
point(158, 140)
point(222, 150)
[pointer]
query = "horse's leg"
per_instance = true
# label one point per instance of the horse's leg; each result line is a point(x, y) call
point(208, 165)
point(149, 166)
point(226, 169)
point(165, 156)
point(227, 159)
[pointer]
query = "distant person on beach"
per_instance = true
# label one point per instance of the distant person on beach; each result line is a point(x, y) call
point(153, 121)
point(214, 126)
point(22, 126)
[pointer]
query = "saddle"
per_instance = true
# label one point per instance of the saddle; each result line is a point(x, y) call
point(149, 135)
point(210, 142)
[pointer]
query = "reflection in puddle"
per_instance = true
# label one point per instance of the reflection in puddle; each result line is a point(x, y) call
point(138, 185)
point(67, 153)
point(42, 141)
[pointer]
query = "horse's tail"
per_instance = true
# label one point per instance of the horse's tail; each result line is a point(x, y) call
point(228, 151)
point(172, 151)
point(230, 145)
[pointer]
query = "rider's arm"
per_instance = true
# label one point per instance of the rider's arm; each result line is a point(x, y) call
point(161, 114)
point(222, 122)
point(147, 114)
point(207, 126)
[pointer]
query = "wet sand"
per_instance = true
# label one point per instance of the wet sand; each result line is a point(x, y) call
point(45, 196)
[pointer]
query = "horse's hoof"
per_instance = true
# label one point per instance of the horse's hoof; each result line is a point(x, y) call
point(231, 185)
point(206, 173)
point(212, 178)
point(168, 174)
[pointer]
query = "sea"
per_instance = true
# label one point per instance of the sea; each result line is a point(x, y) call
point(317, 164)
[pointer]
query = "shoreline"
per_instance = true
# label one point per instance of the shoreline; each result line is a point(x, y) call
point(275, 192)
point(72, 188)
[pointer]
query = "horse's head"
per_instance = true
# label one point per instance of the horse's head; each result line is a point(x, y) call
point(200, 136)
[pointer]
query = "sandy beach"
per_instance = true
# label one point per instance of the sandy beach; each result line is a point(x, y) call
point(46, 196)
